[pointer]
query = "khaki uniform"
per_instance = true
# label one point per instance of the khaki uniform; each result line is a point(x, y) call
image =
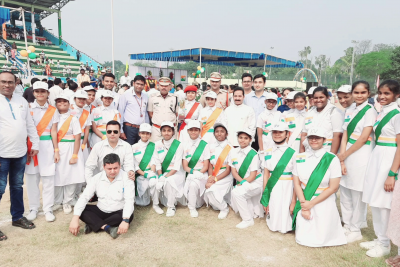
point(222, 99)
point(164, 109)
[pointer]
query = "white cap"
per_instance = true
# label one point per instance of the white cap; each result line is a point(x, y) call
point(107, 93)
point(62, 96)
point(81, 94)
point(311, 90)
point(167, 123)
point(280, 126)
point(193, 124)
point(317, 131)
point(344, 89)
point(246, 131)
point(88, 88)
point(272, 96)
point(219, 124)
point(103, 70)
point(145, 127)
point(211, 94)
point(291, 95)
point(40, 85)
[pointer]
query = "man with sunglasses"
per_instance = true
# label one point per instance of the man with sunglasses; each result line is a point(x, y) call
point(112, 144)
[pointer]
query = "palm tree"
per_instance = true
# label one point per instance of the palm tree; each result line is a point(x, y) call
point(320, 62)
point(307, 51)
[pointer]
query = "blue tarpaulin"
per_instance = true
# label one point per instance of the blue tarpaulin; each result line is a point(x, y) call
point(4, 15)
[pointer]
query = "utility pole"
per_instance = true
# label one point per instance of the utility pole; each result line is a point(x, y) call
point(112, 33)
point(270, 65)
point(352, 61)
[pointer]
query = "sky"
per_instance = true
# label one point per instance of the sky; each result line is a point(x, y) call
point(328, 26)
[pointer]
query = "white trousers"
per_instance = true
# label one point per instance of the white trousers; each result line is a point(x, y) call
point(32, 183)
point(193, 196)
point(215, 204)
point(64, 194)
point(144, 200)
point(380, 219)
point(354, 211)
point(242, 200)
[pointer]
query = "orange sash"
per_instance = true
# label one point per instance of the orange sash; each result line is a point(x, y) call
point(211, 121)
point(189, 115)
point(221, 159)
point(91, 109)
point(64, 129)
point(42, 125)
point(116, 117)
point(83, 118)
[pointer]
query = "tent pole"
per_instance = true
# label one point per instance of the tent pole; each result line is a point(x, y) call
point(200, 63)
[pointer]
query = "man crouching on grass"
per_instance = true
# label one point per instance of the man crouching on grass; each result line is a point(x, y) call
point(114, 210)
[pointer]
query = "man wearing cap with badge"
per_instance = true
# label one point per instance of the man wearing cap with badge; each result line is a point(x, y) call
point(91, 96)
point(108, 83)
point(278, 197)
point(82, 77)
point(42, 166)
point(344, 95)
point(222, 95)
point(162, 107)
point(188, 110)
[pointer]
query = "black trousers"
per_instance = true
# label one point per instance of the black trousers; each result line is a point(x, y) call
point(255, 145)
point(96, 218)
point(132, 134)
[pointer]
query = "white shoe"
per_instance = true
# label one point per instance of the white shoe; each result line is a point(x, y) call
point(364, 225)
point(32, 215)
point(50, 216)
point(369, 245)
point(194, 213)
point(245, 224)
point(56, 207)
point(170, 212)
point(157, 209)
point(353, 237)
point(223, 214)
point(67, 208)
point(378, 251)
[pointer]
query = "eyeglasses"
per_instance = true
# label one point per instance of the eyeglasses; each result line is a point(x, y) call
point(112, 131)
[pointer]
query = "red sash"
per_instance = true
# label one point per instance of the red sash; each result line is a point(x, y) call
point(189, 116)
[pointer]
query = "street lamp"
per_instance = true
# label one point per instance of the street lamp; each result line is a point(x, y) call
point(352, 61)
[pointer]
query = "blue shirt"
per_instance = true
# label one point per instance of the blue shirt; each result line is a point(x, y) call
point(131, 107)
point(257, 103)
point(93, 79)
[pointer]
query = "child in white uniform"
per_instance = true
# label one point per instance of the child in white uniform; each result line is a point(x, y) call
point(383, 166)
point(245, 167)
point(43, 166)
point(219, 183)
point(171, 176)
point(191, 111)
point(196, 156)
point(278, 197)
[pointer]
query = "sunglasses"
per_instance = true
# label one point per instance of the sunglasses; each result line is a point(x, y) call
point(112, 131)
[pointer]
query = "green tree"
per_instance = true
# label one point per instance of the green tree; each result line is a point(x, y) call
point(373, 63)
point(393, 72)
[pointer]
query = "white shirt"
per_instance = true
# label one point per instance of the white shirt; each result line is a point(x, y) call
point(152, 91)
point(180, 94)
point(125, 80)
point(237, 157)
point(161, 150)
point(113, 196)
point(54, 92)
point(97, 102)
point(215, 152)
point(19, 90)
point(94, 163)
point(239, 118)
point(188, 107)
point(139, 150)
point(15, 125)
point(190, 147)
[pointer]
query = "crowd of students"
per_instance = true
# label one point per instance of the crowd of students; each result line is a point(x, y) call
point(304, 155)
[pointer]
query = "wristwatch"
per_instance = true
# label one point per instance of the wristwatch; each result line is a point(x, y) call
point(125, 220)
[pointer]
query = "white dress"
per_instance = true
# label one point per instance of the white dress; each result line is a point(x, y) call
point(67, 174)
point(381, 160)
point(205, 113)
point(356, 163)
point(324, 229)
point(101, 116)
point(221, 189)
point(295, 121)
point(183, 135)
point(330, 118)
point(77, 113)
point(265, 121)
point(279, 218)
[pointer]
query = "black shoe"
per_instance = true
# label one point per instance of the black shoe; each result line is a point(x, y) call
point(112, 231)
point(2, 236)
point(24, 223)
point(87, 230)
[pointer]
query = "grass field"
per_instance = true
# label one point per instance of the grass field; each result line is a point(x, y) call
point(155, 240)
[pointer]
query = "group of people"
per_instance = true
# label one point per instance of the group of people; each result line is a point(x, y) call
point(227, 150)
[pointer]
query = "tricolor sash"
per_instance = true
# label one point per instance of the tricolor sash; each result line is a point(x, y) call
point(315, 180)
point(246, 163)
point(170, 155)
point(197, 154)
point(382, 123)
point(220, 161)
point(148, 154)
point(211, 121)
point(189, 115)
point(64, 129)
point(278, 171)
point(353, 123)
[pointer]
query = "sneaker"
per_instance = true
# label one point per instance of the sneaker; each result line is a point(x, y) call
point(171, 212)
point(369, 245)
point(87, 229)
point(245, 224)
point(56, 207)
point(67, 208)
point(364, 225)
point(223, 214)
point(113, 232)
point(193, 213)
point(50, 216)
point(157, 209)
point(32, 215)
point(378, 251)
point(353, 237)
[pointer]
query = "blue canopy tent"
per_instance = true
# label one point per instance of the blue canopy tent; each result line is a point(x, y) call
point(219, 57)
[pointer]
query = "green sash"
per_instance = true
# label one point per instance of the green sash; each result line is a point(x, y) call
point(197, 154)
point(276, 174)
point(148, 154)
point(386, 119)
point(315, 180)
point(170, 155)
point(353, 123)
point(246, 163)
